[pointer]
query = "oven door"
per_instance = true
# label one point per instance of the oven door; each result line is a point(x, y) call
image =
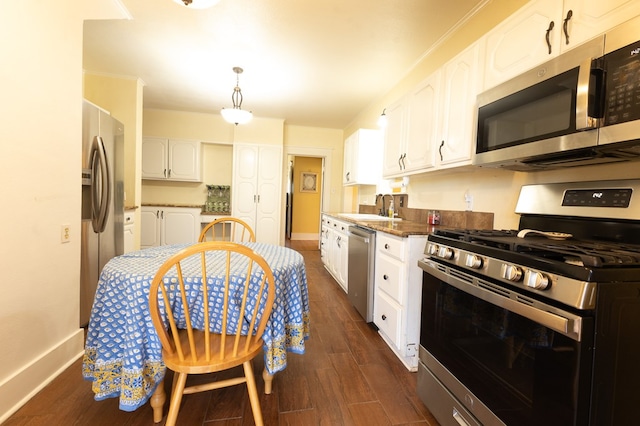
point(505, 358)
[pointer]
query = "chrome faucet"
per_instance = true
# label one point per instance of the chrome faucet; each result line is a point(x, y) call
point(383, 210)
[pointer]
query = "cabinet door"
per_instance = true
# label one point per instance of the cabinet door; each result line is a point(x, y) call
point(422, 124)
point(184, 160)
point(154, 158)
point(180, 226)
point(343, 270)
point(394, 139)
point(149, 227)
point(269, 200)
point(519, 43)
point(324, 245)
point(349, 169)
point(592, 17)
point(256, 190)
point(461, 77)
point(244, 190)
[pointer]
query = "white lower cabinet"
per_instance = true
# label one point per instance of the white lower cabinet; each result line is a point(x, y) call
point(398, 294)
point(334, 249)
point(169, 225)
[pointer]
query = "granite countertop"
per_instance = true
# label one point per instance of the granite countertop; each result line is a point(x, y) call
point(400, 228)
point(193, 206)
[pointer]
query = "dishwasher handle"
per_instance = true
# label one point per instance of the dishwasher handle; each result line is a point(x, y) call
point(361, 234)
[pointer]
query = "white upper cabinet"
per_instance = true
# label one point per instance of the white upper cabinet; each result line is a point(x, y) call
point(363, 158)
point(544, 28)
point(432, 126)
point(171, 159)
point(395, 143)
point(461, 85)
point(411, 130)
point(592, 17)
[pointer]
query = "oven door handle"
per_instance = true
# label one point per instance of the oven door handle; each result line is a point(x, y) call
point(458, 417)
point(561, 321)
point(566, 326)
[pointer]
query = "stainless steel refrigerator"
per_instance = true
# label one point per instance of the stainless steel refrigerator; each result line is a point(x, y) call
point(102, 199)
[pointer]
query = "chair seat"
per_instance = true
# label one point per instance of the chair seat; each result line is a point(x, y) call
point(201, 365)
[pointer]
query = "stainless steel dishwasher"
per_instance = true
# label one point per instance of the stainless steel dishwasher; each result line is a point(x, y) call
point(362, 249)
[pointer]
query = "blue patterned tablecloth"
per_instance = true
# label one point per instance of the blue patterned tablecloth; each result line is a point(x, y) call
point(123, 355)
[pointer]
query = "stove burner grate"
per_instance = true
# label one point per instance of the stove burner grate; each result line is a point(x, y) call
point(587, 253)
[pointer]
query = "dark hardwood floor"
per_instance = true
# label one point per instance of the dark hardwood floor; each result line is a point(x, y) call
point(348, 376)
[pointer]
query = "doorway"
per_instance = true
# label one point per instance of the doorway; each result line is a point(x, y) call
point(304, 198)
point(323, 191)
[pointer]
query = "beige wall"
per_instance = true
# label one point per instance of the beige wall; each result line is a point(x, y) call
point(40, 161)
point(122, 97)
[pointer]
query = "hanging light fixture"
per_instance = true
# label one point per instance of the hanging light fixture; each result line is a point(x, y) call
point(382, 120)
point(236, 114)
point(196, 4)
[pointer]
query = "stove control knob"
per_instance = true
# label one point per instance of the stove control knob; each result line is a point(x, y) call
point(433, 249)
point(511, 272)
point(473, 261)
point(445, 253)
point(536, 280)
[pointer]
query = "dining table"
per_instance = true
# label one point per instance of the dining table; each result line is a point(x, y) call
point(123, 354)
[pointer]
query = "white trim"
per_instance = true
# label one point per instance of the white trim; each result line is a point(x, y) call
point(16, 390)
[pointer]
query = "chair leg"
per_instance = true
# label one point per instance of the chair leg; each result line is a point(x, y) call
point(253, 393)
point(176, 397)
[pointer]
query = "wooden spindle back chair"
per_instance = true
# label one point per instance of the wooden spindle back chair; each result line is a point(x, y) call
point(215, 323)
point(228, 229)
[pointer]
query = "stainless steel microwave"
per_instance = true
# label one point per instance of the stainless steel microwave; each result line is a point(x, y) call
point(583, 107)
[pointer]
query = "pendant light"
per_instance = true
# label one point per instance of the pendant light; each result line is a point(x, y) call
point(196, 4)
point(236, 115)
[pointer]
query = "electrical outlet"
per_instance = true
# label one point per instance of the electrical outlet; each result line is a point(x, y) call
point(65, 234)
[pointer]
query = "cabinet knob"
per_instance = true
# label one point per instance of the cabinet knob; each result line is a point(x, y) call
point(385, 277)
point(386, 246)
point(384, 317)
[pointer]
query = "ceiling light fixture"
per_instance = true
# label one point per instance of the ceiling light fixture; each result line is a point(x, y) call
point(196, 4)
point(382, 120)
point(236, 114)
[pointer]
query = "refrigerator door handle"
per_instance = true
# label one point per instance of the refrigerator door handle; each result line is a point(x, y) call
point(100, 197)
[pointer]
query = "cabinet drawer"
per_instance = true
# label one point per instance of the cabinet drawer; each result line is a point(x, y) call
point(390, 277)
point(390, 245)
point(341, 227)
point(387, 316)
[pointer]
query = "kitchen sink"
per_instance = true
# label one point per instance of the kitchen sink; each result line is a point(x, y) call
point(367, 217)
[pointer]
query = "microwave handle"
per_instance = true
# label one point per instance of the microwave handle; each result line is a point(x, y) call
point(584, 121)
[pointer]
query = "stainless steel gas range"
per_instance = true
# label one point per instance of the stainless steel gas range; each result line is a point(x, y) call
point(540, 325)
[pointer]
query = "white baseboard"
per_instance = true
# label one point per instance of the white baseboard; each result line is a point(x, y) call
point(299, 236)
point(24, 384)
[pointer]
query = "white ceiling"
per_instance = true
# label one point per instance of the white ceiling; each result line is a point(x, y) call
point(312, 63)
